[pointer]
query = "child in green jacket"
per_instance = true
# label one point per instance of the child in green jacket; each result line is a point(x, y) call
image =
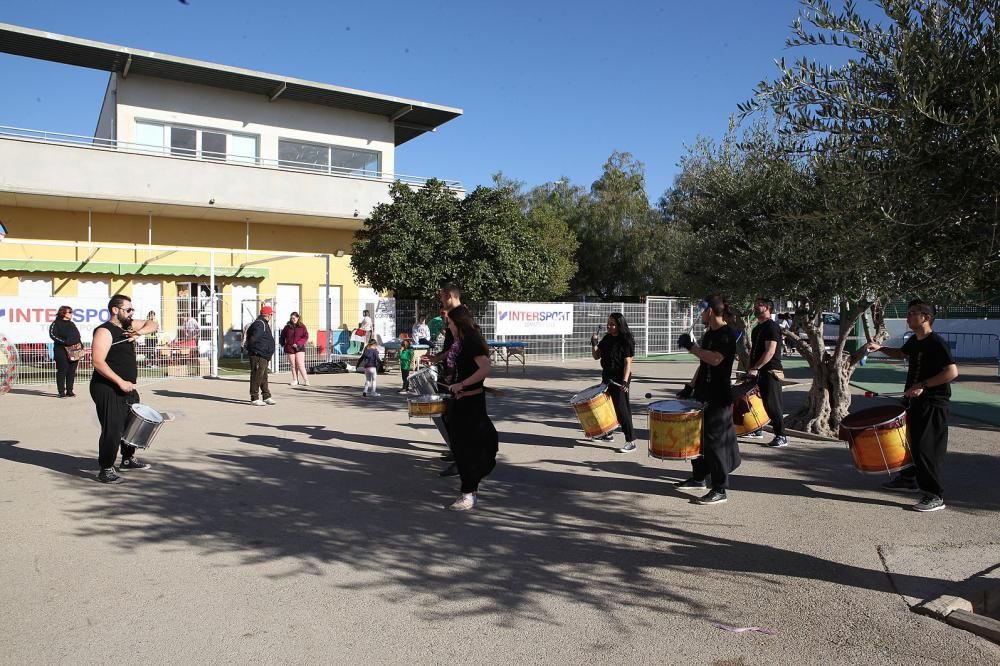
point(405, 364)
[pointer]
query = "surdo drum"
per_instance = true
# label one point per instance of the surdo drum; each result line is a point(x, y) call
point(428, 406)
point(425, 380)
point(878, 439)
point(594, 409)
point(142, 425)
point(675, 429)
point(748, 409)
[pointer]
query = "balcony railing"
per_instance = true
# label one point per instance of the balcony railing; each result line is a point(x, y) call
point(95, 143)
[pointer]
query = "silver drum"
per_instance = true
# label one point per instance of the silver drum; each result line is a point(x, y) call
point(142, 425)
point(425, 380)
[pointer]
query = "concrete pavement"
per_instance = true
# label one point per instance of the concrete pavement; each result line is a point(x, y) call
point(313, 531)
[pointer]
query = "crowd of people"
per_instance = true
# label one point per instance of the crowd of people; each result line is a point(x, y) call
point(466, 428)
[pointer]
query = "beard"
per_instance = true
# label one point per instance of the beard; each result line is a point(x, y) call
point(126, 322)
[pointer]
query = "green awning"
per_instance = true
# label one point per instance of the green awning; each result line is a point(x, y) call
point(178, 270)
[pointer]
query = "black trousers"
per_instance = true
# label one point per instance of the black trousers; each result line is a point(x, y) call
point(928, 429)
point(258, 377)
point(623, 410)
point(474, 440)
point(112, 411)
point(406, 379)
point(720, 453)
point(65, 370)
point(770, 391)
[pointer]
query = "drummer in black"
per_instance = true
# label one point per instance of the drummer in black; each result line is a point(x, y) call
point(112, 386)
point(615, 352)
point(720, 453)
point(765, 367)
point(928, 390)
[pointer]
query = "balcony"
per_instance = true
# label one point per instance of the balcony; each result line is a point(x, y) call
point(50, 170)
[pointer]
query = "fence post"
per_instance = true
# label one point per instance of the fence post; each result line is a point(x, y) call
point(214, 349)
point(670, 324)
point(645, 327)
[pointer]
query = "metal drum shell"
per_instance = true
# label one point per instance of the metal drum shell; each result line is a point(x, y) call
point(424, 380)
point(428, 406)
point(141, 427)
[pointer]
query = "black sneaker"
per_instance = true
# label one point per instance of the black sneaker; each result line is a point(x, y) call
point(902, 484)
point(929, 503)
point(109, 475)
point(693, 484)
point(778, 442)
point(133, 463)
point(713, 497)
point(450, 470)
point(609, 437)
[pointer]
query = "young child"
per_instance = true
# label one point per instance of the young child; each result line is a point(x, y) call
point(369, 362)
point(405, 364)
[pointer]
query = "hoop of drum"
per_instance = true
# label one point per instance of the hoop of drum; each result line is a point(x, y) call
point(429, 403)
point(876, 437)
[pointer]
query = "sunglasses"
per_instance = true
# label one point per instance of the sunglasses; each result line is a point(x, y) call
point(127, 310)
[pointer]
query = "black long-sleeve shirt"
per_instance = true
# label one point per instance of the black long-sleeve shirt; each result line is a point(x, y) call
point(64, 332)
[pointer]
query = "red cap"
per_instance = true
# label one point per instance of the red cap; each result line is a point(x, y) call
point(266, 309)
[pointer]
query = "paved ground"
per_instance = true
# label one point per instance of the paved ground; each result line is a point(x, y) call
point(313, 531)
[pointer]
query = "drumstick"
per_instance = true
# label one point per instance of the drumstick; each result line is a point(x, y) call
point(875, 394)
point(488, 389)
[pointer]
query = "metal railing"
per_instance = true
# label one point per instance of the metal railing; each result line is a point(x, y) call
point(97, 143)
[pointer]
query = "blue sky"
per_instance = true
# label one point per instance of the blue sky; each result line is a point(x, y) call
point(549, 89)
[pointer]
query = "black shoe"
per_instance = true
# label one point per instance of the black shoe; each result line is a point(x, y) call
point(610, 437)
point(70, 394)
point(133, 463)
point(109, 475)
point(450, 470)
point(713, 497)
point(902, 484)
point(778, 442)
point(694, 484)
point(62, 395)
point(448, 456)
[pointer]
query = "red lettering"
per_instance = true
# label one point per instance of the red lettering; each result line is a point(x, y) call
point(50, 314)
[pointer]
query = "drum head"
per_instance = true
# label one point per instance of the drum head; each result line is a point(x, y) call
point(675, 406)
point(740, 390)
point(147, 413)
point(588, 393)
point(872, 416)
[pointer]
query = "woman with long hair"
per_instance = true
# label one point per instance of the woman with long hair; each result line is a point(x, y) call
point(293, 338)
point(65, 335)
point(473, 437)
point(615, 351)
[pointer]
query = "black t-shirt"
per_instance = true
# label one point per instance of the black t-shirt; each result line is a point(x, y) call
point(762, 333)
point(120, 358)
point(714, 385)
point(927, 358)
point(614, 350)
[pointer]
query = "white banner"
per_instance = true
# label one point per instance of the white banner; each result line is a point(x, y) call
point(534, 319)
point(27, 319)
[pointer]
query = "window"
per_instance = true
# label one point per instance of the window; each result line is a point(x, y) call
point(40, 288)
point(329, 159)
point(206, 144)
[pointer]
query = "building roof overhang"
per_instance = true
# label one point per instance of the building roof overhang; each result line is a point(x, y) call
point(410, 118)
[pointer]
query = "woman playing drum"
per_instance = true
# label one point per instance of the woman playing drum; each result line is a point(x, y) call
point(474, 440)
point(615, 352)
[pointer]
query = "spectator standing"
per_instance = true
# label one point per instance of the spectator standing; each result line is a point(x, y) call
point(405, 364)
point(293, 339)
point(369, 363)
point(66, 349)
point(260, 348)
point(366, 324)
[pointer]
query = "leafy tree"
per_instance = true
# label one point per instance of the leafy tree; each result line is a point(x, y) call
point(428, 235)
point(553, 210)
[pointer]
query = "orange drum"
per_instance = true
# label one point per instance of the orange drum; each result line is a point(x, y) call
point(878, 439)
point(748, 409)
point(595, 411)
point(675, 429)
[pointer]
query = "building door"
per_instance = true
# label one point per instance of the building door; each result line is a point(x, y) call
point(289, 300)
point(335, 315)
point(147, 297)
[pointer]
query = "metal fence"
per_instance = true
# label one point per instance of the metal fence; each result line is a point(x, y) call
point(200, 335)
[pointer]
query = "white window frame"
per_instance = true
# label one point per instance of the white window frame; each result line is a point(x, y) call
point(329, 168)
point(230, 158)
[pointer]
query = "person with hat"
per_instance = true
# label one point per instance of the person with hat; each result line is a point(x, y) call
point(259, 343)
point(928, 393)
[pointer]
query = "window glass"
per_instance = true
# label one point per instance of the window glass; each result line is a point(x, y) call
point(213, 146)
point(354, 162)
point(243, 149)
point(149, 136)
point(300, 155)
point(41, 287)
point(182, 141)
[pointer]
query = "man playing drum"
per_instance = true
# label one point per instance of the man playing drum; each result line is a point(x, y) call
point(711, 384)
point(112, 385)
point(451, 297)
point(765, 367)
point(928, 379)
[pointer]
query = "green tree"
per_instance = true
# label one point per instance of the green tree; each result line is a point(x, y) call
point(553, 210)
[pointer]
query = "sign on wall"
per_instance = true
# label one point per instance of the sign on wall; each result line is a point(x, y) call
point(534, 319)
point(27, 319)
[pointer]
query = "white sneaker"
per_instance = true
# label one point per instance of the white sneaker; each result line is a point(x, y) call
point(463, 503)
point(270, 401)
point(305, 383)
point(294, 383)
point(258, 402)
point(376, 395)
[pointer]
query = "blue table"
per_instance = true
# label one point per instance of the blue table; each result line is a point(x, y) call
point(501, 351)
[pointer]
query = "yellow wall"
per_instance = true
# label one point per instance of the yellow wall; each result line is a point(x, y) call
point(310, 273)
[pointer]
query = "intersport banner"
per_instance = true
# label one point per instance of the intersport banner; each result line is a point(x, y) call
point(27, 319)
point(534, 319)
